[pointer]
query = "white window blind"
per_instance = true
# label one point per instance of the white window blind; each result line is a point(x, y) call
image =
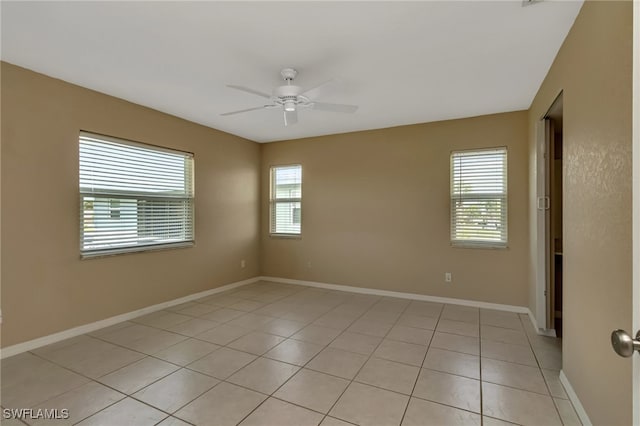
point(479, 198)
point(286, 199)
point(133, 196)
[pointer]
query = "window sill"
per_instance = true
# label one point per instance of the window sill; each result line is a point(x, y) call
point(140, 249)
point(286, 236)
point(485, 246)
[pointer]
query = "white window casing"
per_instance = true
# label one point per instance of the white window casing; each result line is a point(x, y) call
point(285, 201)
point(479, 198)
point(133, 196)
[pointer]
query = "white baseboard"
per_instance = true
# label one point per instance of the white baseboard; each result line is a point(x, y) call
point(540, 331)
point(402, 295)
point(573, 397)
point(88, 328)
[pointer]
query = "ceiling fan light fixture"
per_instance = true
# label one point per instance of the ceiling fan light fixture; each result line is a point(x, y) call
point(289, 106)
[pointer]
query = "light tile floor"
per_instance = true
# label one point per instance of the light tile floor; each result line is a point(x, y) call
point(273, 354)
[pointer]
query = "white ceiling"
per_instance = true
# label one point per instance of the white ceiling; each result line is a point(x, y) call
point(401, 62)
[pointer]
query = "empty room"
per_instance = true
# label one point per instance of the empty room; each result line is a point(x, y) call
point(320, 213)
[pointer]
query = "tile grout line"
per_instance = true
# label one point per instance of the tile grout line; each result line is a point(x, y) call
point(127, 365)
point(259, 356)
point(92, 380)
point(312, 358)
point(126, 395)
point(190, 401)
point(369, 357)
point(231, 383)
point(422, 364)
point(555, 406)
point(539, 368)
point(343, 330)
point(186, 338)
point(184, 367)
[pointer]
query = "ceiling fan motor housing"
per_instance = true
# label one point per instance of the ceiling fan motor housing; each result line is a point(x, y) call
point(289, 94)
point(287, 91)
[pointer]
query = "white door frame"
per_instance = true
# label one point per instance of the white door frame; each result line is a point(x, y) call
point(635, 135)
point(542, 221)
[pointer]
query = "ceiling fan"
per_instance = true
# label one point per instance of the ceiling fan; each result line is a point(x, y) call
point(291, 98)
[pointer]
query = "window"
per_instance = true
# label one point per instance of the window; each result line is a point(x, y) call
point(286, 200)
point(479, 198)
point(133, 197)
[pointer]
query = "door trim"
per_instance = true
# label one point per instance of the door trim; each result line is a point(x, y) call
point(542, 221)
point(635, 135)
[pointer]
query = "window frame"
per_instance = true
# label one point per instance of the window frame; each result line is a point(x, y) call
point(503, 198)
point(273, 202)
point(138, 196)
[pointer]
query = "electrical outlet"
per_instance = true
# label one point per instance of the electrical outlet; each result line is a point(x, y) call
point(243, 264)
point(309, 264)
point(447, 277)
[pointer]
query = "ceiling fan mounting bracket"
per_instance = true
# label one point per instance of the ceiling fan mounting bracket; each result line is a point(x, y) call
point(288, 74)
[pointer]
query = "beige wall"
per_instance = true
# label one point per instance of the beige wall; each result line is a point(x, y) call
point(593, 68)
point(376, 211)
point(46, 288)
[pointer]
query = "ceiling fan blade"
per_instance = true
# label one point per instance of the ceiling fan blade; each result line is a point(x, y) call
point(249, 90)
point(322, 106)
point(290, 117)
point(246, 110)
point(316, 90)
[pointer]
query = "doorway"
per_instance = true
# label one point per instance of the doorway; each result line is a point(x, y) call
point(554, 166)
point(549, 185)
